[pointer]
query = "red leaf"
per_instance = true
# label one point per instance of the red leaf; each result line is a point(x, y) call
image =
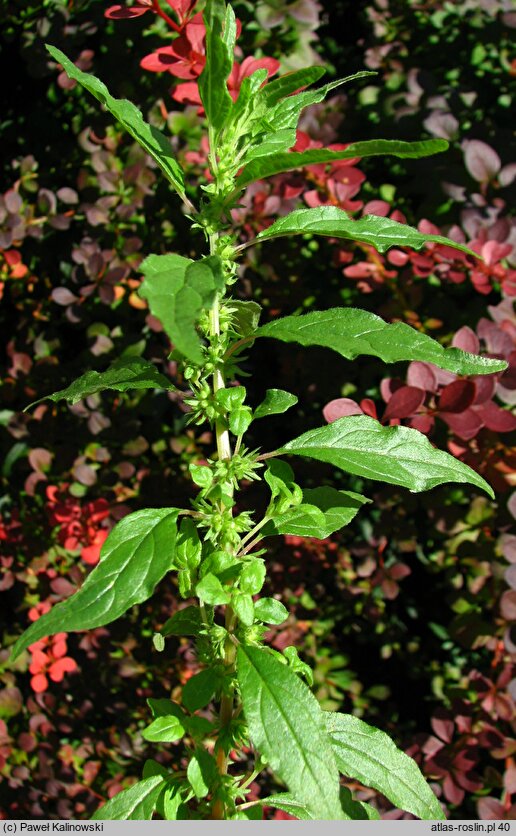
point(120, 12)
point(457, 396)
point(466, 425)
point(442, 725)
point(497, 419)
point(404, 402)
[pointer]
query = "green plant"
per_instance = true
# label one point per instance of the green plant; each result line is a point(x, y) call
point(264, 697)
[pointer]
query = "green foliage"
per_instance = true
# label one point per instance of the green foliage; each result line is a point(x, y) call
point(135, 803)
point(136, 555)
point(150, 138)
point(382, 233)
point(261, 693)
point(275, 163)
point(123, 374)
point(370, 756)
point(285, 726)
point(398, 455)
point(351, 332)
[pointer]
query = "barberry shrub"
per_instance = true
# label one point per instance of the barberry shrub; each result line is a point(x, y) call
point(247, 696)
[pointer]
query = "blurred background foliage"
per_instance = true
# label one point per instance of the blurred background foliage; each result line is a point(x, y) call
point(408, 616)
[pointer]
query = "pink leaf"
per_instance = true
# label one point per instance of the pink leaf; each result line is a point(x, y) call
point(422, 375)
point(339, 408)
point(482, 161)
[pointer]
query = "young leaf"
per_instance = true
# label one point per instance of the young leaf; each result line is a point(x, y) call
point(123, 374)
point(150, 138)
point(220, 44)
point(286, 726)
point(270, 611)
point(351, 331)
point(290, 83)
point(398, 455)
point(326, 510)
point(199, 689)
point(371, 757)
point(178, 290)
point(285, 801)
point(243, 606)
point(164, 730)
point(275, 402)
point(136, 555)
point(261, 168)
point(245, 316)
point(382, 233)
point(137, 802)
point(185, 622)
point(252, 576)
point(211, 591)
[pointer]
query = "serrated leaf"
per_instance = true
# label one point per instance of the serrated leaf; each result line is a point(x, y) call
point(370, 756)
point(137, 802)
point(285, 801)
point(276, 402)
point(137, 554)
point(323, 511)
point(286, 725)
point(351, 332)
point(270, 611)
point(199, 689)
point(150, 138)
point(261, 168)
point(164, 730)
point(397, 455)
point(220, 42)
point(185, 622)
point(382, 233)
point(131, 373)
point(178, 290)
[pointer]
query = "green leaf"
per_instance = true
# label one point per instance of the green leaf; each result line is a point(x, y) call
point(131, 373)
point(285, 801)
point(202, 772)
point(351, 331)
point(240, 420)
point(286, 725)
point(261, 168)
point(220, 43)
point(370, 756)
point(276, 401)
point(324, 511)
point(245, 316)
point(382, 233)
point(164, 707)
point(135, 557)
point(137, 802)
point(357, 810)
point(270, 611)
point(185, 622)
point(201, 474)
point(199, 689)
point(397, 455)
point(211, 591)
point(242, 604)
point(150, 138)
point(164, 730)
point(188, 545)
point(290, 83)
point(178, 290)
point(252, 576)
